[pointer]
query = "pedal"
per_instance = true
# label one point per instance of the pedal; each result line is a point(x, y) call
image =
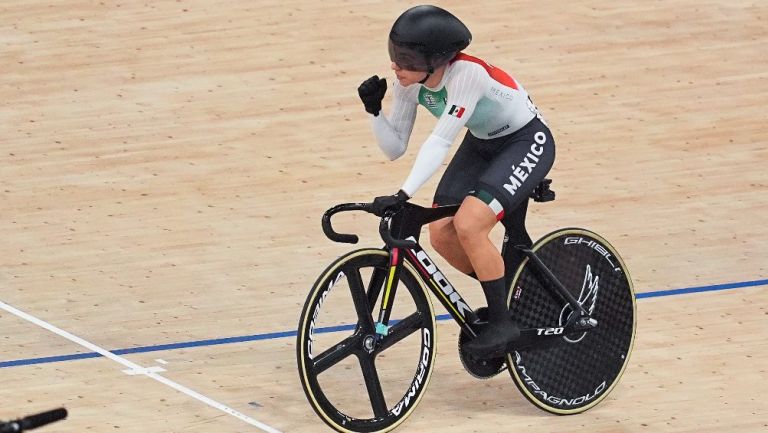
point(480, 368)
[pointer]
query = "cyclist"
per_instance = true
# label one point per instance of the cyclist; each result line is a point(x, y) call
point(505, 154)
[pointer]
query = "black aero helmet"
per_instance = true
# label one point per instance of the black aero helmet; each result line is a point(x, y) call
point(426, 37)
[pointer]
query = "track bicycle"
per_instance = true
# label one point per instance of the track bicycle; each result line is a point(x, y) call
point(366, 337)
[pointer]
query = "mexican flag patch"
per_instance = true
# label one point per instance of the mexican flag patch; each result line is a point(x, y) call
point(456, 111)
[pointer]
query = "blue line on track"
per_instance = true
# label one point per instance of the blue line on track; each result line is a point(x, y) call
point(700, 289)
point(285, 334)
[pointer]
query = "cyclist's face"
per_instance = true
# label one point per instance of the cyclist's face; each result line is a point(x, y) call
point(407, 77)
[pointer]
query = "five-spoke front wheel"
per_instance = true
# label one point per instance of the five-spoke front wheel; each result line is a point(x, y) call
point(344, 363)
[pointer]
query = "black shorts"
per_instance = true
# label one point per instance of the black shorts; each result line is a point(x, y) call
point(502, 171)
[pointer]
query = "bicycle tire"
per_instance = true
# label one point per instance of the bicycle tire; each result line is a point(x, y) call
point(342, 411)
point(574, 373)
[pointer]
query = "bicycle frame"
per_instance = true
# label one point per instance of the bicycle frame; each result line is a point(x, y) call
point(406, 225)
point(401, 231)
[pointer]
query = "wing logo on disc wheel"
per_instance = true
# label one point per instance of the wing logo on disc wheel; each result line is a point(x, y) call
point(587, 299)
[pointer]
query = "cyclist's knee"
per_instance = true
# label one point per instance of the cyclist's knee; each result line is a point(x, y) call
point(474, 220)
point(466, 229)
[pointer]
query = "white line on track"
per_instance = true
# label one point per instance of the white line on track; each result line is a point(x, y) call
point(136, 369)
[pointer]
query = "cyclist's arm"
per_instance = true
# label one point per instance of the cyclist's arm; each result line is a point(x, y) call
point(393, 132)
point(464, 91)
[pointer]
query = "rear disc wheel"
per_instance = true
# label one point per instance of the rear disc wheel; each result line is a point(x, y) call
point(575, 372)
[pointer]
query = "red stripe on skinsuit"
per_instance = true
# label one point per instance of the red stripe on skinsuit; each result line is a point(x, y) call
point(495, 73)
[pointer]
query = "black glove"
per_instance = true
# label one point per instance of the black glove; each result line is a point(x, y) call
point(371, 92)
point(386, 202)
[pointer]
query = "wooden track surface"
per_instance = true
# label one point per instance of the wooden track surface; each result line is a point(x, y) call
point(164, 165)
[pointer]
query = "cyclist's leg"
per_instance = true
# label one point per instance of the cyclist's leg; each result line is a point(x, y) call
point(458, 181)
point(501, 194)
point(473, 224)
point(508, 182)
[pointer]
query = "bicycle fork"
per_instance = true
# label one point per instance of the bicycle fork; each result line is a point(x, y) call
point(390, 289)
point(446, 294)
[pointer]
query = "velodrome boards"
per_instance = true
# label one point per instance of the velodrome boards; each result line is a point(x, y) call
point(164, 166)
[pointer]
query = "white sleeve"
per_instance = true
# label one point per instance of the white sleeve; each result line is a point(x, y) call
point(389, 140)
point(430, 157)
point(393, 132)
